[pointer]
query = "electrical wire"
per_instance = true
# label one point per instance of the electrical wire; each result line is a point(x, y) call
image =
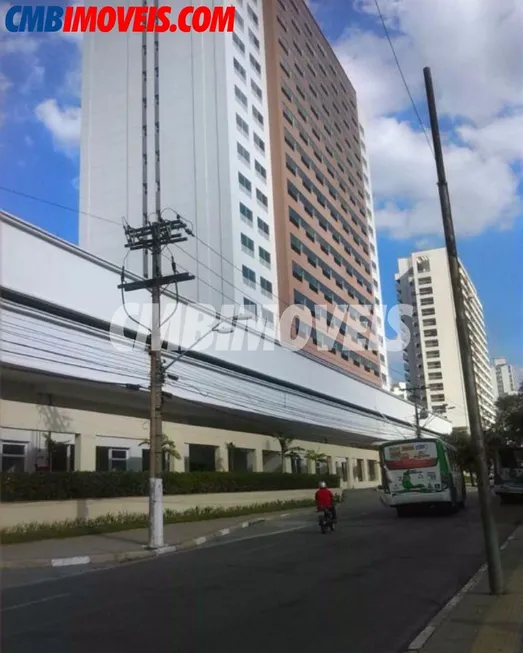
point(403, 76)
point(104, 219)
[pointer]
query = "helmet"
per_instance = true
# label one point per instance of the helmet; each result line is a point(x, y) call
point(323, 484)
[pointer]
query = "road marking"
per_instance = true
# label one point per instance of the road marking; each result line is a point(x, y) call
point(212, 545)
point(423, 637)
point(68, 562)
point(26, 605)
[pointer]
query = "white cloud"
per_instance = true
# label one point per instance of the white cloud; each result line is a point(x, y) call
point(63, 124)
point(478, 80)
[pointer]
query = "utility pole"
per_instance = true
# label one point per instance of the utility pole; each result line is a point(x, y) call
point(489, 524)
point(153, 237)
point(417, 398)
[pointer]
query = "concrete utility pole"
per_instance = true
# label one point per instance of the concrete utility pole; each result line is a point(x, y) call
point(489, 524)
point(417, 398)
point(153, 237)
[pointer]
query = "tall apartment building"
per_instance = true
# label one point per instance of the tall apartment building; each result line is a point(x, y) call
point(215, 158)
point(504, 378)
point(326, 241)
point(432, 355)
point(261, 149)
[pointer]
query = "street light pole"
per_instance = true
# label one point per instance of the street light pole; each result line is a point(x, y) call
point(489, 525)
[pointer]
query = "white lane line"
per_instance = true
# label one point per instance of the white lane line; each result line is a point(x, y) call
point(26, 605)
point(248, 537)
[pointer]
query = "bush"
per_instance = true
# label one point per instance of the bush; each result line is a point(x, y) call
point(55, 486)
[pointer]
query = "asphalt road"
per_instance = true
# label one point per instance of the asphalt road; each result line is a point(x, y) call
point(370, 587)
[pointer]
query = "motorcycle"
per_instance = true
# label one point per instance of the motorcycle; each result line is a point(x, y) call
point(325, 520)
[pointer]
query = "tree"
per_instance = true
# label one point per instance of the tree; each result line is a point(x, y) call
point(315, 456)
point(507, 429)
point(461, 441)
point(168, 447)
point(287, 451)
point(230, 454)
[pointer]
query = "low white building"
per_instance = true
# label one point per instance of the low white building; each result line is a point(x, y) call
point(66, 375)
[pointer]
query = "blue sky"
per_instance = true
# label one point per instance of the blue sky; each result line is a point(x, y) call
point(475, 53)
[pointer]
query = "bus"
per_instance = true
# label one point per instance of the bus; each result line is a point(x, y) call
point(421, 471)
point(508, 474)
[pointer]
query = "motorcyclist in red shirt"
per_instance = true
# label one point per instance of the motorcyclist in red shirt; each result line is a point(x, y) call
point(325, 499)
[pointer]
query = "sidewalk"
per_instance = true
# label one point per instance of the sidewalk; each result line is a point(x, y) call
point(479, 622)
point(125, 545)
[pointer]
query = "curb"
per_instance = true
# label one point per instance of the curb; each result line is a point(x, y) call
point(136, 554)
point(423, 637)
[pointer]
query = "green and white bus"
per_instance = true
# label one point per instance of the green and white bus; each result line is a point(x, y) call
point(421, 471)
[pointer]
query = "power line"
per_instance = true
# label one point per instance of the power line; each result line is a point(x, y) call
point(403, 76)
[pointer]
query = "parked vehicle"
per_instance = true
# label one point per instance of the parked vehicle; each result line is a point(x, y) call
point(508, 474)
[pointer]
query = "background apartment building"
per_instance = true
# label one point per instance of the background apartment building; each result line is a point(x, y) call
point(431, 355)
point(326, 242)
point(504, 378)
point(215, 159)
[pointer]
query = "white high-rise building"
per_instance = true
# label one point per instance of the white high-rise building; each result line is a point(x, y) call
point(431, 355)
point(504, 378)
point(214, 153)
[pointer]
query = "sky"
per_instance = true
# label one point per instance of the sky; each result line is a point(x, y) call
point(475, 52)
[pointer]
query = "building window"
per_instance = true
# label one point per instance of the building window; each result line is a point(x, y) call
point(255, 41)
point(433, 354)
point(431, 343)
point(263, 227)
point(243, 153)
point(435, 376)
point(245, 183)
point(255, 64)
point(372, 467)
point(238, 19)
point(109, 459)
point(242, 125)
point(428, 311)
point(239, 43)
point(240, 96)
point(257, 116)
point(252, 15)
point(359, 470)
point(262, 198)
point(425, 291)
point(240, 70)
point(423, 281)
point(267, 315)
point(247, 245)
point(437, 398)
point(259, 143)
point(260, 169)
point(256, 90)
point(430, 322)
point(13, 457)
point(249, 276)
point(266, 287)
point(246, 214)
point(265, 256)
point(251, 306)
